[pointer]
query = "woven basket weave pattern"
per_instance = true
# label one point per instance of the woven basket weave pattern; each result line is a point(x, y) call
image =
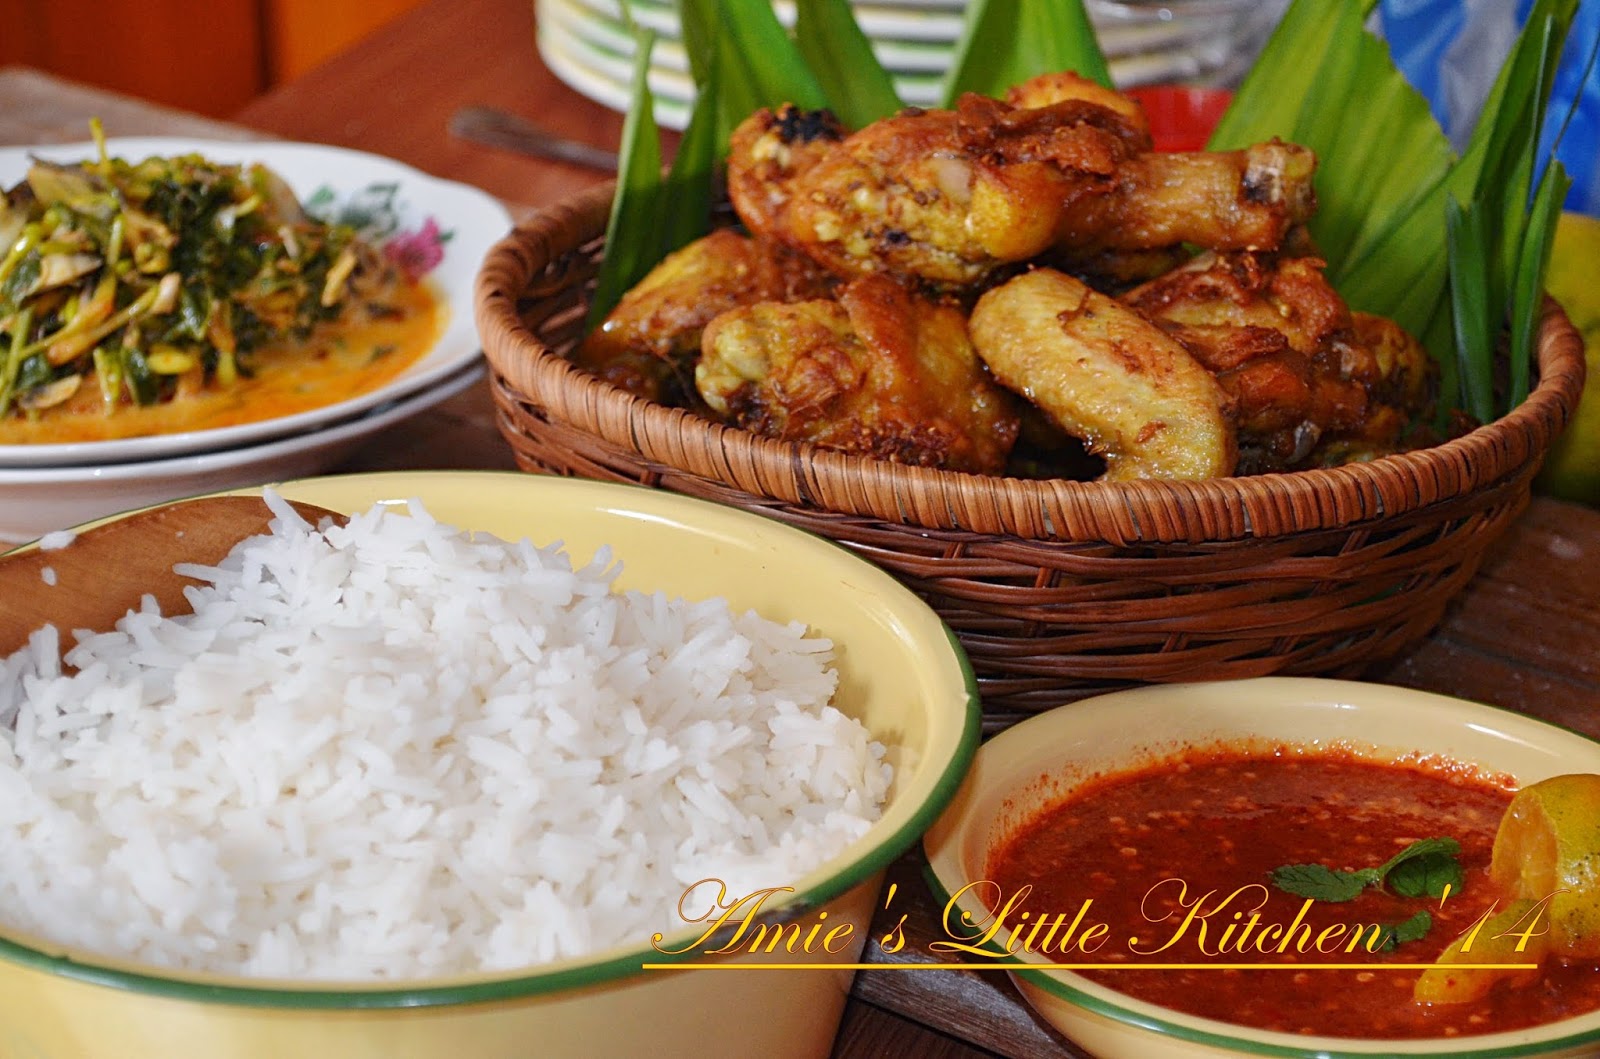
point(1056, 589)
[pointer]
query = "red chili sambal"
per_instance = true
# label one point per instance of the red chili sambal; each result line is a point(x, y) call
point(1147, 843)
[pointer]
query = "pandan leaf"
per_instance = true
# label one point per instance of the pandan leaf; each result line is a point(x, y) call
point(632, 245)
point(1409, 231)
point(687, 192)
point(1475, 323)
point(1004, 42)
point(758, 63)
point(859, 89)
point(1527, 292)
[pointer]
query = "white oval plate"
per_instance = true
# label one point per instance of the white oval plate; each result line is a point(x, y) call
point(474, 220)
point(36, 500)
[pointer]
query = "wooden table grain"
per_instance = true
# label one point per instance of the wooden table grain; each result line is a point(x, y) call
point(1525, 635)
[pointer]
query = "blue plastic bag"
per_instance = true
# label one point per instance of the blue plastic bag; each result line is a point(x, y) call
point(1451, 50)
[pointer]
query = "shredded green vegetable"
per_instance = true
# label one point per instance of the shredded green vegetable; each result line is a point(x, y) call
point(138, 275)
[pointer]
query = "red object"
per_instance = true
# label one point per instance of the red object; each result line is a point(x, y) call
point(1181, 118)
point(1137, 852)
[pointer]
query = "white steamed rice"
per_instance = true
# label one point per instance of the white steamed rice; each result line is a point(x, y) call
point(392, 750)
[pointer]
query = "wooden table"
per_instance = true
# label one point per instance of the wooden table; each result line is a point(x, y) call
point(1525, 635)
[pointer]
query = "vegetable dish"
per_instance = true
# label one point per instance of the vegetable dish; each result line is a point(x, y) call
point(178, 293)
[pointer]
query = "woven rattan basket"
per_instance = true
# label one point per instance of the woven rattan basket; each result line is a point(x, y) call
point(1057, 589)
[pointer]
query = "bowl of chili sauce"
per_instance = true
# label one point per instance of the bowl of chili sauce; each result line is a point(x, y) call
point(1121, 857)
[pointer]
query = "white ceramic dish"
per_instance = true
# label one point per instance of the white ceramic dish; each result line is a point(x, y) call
point(1008, 781)
point(894, 22)
point(36, 500)
point(600, 65)
point(474, 219)
point(587, 19)
point(556, 50)
point(588, 45)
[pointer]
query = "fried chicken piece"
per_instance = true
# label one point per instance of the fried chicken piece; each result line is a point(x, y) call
point(1230, 200)
point(1300, 367)
point(766, 154)
point(1105, 374)
point(1047, 90)
point(879, 372)
point(1116, 271)
point(648, 344)
point(937, 195)
point(1400, 396)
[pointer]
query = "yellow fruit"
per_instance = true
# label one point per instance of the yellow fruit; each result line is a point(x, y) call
point(1452, 985)
point(1572, 470)
point(1549, 841)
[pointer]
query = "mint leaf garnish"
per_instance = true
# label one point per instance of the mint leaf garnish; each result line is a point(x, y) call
point(1320, 883)
point(1426, 875)
point(1414, 929)
point(1422, 869)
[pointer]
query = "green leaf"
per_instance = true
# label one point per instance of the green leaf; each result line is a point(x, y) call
point(1322, 883)
point(1414, 929)
point(1269, 100)
point(758, 63)
point(1319, 67)
point(1004, 42)
point(859, 89)
point(1386, 183)
point(1397, 168)
point(632, 238)
point(1421, 865)
point(1527, 292)
point(686, 194)
point(1472, 308)
point(1427, 876)
point(1497, 172)
point(1423, 847)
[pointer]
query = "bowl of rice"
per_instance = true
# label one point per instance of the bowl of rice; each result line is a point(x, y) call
point(475, 773)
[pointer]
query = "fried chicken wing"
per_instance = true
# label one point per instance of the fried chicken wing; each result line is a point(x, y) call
point(879, 372)
point(767, 153)
point(936, 195)
point(648, 343)
point(1105, 374)
point(1302, 370)
point(1229, 200)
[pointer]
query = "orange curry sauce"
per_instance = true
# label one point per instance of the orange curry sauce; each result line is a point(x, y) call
point(336, 363)
point(1219, 820)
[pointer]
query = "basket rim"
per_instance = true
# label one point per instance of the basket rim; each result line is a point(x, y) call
point(1211, 510)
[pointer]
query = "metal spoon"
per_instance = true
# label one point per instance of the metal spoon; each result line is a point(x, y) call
point(510, 132)
point(106, 571)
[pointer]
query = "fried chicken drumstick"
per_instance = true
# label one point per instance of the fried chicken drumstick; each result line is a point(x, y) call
point(650, 341)
point(935, 195)
point(949, 197)
point(1305, 375)
point(879, 372)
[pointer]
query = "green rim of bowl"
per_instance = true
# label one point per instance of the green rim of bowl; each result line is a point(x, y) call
point(1115, 1012)
point(345, 997)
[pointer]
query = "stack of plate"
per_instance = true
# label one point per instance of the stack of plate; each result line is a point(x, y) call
point(51, 486)
point(588, 45)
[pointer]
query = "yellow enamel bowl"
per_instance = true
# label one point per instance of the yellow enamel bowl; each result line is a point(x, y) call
point(901, 674)
point(1042, 759)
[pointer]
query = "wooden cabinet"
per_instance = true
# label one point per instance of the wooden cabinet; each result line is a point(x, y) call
point(210, 56)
